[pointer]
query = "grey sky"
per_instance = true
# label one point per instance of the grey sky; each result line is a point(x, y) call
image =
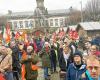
point(29, 5)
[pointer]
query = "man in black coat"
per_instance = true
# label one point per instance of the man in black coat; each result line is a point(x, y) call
point(53, 59)
point(15, 60)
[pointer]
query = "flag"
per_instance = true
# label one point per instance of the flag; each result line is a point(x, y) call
point(26, 39)
point(17, 35)
point(8, 33)
point(73, 34)
point(4, 35)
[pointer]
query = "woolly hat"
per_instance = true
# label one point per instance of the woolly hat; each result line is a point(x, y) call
point(79, 53)
point(30, 47)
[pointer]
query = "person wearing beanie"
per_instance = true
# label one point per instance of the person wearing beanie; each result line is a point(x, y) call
point(78, 59)
point(45, 57)
point(29, 64)
point(77, 68)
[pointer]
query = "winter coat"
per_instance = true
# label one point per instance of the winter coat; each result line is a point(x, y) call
point(15, 57)
point(53, 55)
point(29, 68)
point(73, 47)
point(74, 73)
point(6, 63)
point(45, 56)
point(62, 62)
point(60, 51)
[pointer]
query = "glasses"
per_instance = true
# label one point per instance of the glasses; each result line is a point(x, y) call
point(93, 67)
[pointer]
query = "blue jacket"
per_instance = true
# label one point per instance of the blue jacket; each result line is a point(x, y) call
point(74, 73)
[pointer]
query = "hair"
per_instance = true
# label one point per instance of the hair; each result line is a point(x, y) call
point(92, 58)
point(95, 46)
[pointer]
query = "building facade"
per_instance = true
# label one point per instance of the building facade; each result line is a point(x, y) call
point(40, 18)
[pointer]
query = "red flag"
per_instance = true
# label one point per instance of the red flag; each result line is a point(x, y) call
point(70, 33)
point(17, 35)
point(73, 34)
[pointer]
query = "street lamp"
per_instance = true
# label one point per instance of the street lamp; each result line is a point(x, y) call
point(81, 11)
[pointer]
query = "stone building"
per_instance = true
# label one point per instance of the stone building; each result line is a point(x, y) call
point(39, 19)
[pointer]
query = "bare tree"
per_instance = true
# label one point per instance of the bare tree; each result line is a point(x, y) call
point(3, 21)
point(74, 17)
point(92, 10)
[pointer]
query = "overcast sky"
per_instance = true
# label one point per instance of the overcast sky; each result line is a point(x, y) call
point(29, 5)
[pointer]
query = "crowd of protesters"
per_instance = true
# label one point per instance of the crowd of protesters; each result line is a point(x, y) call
point(76, 60)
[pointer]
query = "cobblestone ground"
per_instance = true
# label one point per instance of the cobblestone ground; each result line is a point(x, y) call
point(54, 76)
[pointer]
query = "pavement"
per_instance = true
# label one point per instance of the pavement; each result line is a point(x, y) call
point(54, 76)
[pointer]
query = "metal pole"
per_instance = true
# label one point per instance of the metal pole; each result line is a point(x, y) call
point(81, 12)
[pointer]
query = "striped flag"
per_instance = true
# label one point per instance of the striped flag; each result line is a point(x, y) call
point(8, 32)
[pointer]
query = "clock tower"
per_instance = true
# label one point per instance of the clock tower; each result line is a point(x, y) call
point(41, 16)
point(40, 4)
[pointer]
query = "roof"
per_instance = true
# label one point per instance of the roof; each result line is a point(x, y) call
point(59, 11)
point(30, 13)
point(26, 13)
point(90, 25)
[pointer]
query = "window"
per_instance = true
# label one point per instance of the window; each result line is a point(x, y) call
point(42, 22)
point(26, 24)
point(51, 22)
point(65, 24)
point(31, 23)
point(56, 22)
point(61, 22)
point(15, 24)
point(21, 24)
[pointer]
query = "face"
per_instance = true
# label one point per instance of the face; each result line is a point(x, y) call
point(94, 68)
point(66, 48)
point(93, 49)
point(77, 59)
point(29, 50)
point(12, 44)
point(21, 46)
point(87, 45)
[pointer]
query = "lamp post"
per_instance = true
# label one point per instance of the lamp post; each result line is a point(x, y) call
point(81, 11)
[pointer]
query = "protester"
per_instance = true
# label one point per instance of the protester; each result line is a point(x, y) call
point(65, 59)
point(93, 66)
point(77, 68)
point(9, 72)
point(95, 51)
point(45, 55)
point(6, 63)
point(15, 60)
point(53, 59)
point(87, 48)
point(72, 46)
point(29, 67)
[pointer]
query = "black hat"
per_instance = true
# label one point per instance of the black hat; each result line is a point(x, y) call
point(79, 53)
